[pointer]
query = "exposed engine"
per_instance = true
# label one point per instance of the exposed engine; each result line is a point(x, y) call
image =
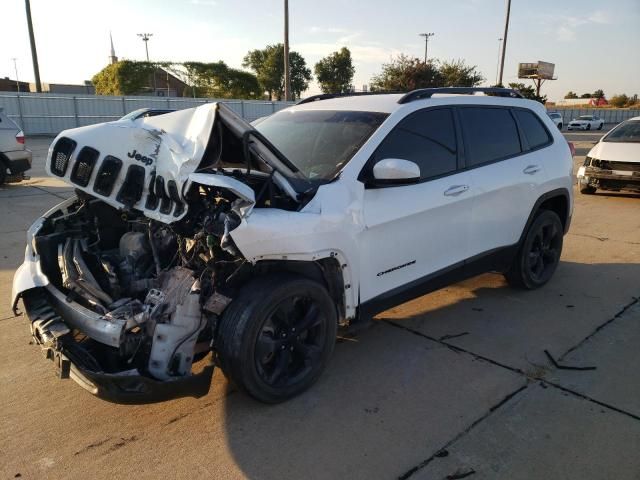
point(160, 287)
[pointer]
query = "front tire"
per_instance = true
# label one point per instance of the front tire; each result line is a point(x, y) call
point(589, 126)
point(587, 189)
point(276, 337)
point(539, 253)
point(560, 126)
point(600, 126)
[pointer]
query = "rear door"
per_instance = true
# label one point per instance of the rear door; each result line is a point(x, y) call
point(414, 230)
point(504, 176)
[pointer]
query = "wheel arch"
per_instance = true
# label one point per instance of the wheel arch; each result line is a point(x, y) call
point(327, 271)
point(558, 201)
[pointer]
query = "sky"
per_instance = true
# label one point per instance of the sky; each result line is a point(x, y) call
point(593, 43)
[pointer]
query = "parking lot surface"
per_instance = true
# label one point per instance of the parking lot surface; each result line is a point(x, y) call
point(455, 384)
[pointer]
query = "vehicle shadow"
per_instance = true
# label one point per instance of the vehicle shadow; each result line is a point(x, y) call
point(604, 193)
point(384, 398)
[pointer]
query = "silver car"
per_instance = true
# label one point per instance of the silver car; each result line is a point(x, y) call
point(15, 158)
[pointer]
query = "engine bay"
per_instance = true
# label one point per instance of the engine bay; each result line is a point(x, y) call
point(161, 286)
point(139, 290)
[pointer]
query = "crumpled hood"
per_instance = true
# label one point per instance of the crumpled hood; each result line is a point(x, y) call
point(142, 164)
point(616, 151)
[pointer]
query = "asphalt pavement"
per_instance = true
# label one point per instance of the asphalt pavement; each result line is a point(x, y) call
point(455, 384)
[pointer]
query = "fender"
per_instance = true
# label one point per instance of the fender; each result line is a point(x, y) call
point(558, 192)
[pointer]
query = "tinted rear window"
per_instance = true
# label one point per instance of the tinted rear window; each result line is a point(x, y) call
point(490, 134)
point(7, 123)
point(535, 132)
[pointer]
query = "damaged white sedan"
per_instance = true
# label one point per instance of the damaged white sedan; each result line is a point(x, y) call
point(195, 234)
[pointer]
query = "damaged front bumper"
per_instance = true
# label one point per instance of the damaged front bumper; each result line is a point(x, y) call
point(56, 321)
point(609, 179)
point(53, 335)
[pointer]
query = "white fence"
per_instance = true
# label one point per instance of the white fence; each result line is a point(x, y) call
point(609, 115)
point(49, 114)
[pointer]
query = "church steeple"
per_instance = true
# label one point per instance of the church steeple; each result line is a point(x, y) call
point(112, 58)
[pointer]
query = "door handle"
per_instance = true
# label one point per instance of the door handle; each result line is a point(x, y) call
point(531, 169)
point(455, 190)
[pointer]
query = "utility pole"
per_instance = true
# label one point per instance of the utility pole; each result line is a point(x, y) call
point(34, 54)
point(504, 41)
point(426, 43)
point(145, 38)
point(287, 71)
point(15, 67)
point(498, 62)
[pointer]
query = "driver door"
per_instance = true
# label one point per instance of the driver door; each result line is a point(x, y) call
point(415, 230)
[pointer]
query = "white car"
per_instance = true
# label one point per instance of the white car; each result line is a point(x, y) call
point(586, 122)
point(195, 233)
point(15, 158)
point(556, 118)
point(614, 162)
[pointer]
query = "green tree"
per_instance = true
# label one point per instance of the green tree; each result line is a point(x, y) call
point(124, 78)
point(406, 73)
point(528, 92)
point(456, 73)
point(598, 94)
point(619, 101)
point(243, 84)
point(268, 64)
point(335, 72)
point(585, 95)
point(570, 95)
point(217, 80)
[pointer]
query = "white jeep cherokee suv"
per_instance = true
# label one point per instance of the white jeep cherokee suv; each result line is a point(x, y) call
point(195, 233)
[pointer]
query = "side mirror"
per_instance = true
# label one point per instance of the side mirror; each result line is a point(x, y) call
point(395, 171)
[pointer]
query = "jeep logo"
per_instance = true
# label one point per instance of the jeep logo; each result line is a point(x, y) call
point(140, 158)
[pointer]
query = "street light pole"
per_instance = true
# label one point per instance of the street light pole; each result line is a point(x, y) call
point(498, 62)
point(504, 42)
point(145, 38)
point(15, 67)
point(426, 43)
point(34, 53)
point(287, 72)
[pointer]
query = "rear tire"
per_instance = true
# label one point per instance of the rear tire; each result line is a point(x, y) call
point(589, 126)
point(560, 126)
point(276, 337)
point(3, 172)
point(539, 253)
point(588, 190)
point(600, 126)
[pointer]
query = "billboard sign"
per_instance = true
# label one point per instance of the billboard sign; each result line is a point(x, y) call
point(543, 70)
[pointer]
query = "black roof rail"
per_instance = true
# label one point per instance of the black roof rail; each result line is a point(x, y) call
point(428, 92)
point(327, 96)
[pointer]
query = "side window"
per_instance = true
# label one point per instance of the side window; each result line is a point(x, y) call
point(426, 137)
point(535, 132)
point(490, 134)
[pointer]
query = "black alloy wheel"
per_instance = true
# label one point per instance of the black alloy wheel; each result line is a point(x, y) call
point(277, 335)
point(544, 251)
point(290, 342)
point(539, 253)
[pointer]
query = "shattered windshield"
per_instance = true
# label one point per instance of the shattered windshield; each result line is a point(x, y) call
point(319, 142)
